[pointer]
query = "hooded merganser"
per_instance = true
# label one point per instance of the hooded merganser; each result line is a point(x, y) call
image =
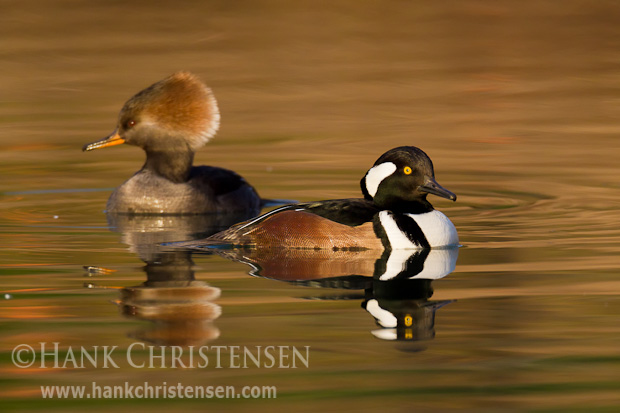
point(394, 214)
point(170, 120)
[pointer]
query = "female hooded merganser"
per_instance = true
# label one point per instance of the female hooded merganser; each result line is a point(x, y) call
point(170, 120)
point(394, 214)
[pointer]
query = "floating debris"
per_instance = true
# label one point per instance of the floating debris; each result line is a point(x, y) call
point(94, 270)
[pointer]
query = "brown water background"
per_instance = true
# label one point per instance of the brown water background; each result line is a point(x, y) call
point(517, 103)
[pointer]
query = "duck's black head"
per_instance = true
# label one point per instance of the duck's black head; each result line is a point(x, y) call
point(401, 179)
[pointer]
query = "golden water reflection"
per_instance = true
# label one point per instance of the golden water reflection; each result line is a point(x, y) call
point(396, 283)
point(516, 102)
point(181, 309)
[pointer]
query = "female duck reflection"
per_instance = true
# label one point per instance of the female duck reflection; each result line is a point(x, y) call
point(181, 310)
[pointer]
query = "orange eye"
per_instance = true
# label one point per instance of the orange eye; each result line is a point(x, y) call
point(407, 170)
point(130, 124)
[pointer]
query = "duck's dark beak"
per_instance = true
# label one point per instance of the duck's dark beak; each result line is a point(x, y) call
point(113, 139)
point(432, 187)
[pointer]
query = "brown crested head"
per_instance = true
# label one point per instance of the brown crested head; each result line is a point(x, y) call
point(179, 107)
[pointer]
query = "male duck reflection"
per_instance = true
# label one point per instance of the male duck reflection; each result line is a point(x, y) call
point(394, 214)
point(170, 120)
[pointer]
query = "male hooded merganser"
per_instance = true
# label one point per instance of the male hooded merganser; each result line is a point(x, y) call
point(394, 214)
point(170, 120)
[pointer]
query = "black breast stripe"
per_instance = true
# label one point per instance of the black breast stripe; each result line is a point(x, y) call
point(411, 229)
point(380, 233)
point(406, 225)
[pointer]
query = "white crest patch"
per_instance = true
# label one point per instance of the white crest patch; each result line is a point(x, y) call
point(376, 175)
point(437, 228)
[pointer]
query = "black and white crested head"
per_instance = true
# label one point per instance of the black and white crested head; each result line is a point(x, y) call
point(401, 179)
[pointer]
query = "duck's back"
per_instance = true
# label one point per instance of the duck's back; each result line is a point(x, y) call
point(336, 224)
point(208, 190)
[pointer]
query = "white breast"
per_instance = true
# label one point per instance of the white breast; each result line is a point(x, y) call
point(436, 227)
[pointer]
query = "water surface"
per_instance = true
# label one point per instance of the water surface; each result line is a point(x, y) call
point(517, 104)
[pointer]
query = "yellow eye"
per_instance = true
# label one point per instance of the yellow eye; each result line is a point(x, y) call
point(407, 170)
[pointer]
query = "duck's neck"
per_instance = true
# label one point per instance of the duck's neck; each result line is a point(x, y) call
point(419, 206)
point(174, 165)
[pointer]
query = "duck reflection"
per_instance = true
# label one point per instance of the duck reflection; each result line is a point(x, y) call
point(397, 284)
point(180, 308)
point(144, 234)
point(181, 315)
point(402, 310)
point(400, 293)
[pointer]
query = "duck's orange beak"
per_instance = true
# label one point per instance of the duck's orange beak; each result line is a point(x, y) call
point(113, 139)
